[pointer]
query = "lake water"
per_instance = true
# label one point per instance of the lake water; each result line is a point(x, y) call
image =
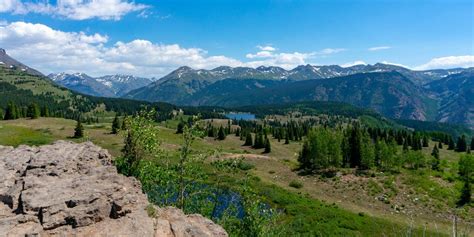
point(240, 116)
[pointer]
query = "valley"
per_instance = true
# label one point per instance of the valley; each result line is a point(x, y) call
point(414, 201)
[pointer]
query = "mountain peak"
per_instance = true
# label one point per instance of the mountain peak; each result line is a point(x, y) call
point(3, 52)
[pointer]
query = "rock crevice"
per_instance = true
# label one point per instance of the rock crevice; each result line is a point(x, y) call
point(73, 189)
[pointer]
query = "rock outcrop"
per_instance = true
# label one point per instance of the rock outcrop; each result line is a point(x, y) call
point(69, 189)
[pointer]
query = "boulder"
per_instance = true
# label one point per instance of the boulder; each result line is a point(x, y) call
point(70, 189)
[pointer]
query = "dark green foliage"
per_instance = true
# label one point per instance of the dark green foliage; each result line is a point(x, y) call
point(115, 125)
point(466, 171)
point(79, 130)
point(472, 143)
point(425, 141)
point(461, 145)
point(45, 111)
point(436, 161)
point(248, 139)
point(268, 146)
point(221, 134)
point(33, 111)
point(11, 112)
point(180, 127)
point(440, 145)
point(451, 145)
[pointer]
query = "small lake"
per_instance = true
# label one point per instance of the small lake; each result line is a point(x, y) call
point(240, 116)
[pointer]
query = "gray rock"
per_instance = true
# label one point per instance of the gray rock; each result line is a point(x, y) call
point(69, 189)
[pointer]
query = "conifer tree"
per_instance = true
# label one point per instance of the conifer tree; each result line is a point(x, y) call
point(45, 111)
point(466, 171)
point(451, 145)
point(461, 144)
point(221, 134)
point(268, 146)
point(179, 129)
point(79, 130)
point(115, 125)
point(425, 141)
point(11, 112)
point(440, 145)
point(436, 161)
point(248, 139)
point(472, 144)
point(33, 111)
point(287, 138)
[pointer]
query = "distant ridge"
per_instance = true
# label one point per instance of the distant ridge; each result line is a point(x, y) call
point(9, 62)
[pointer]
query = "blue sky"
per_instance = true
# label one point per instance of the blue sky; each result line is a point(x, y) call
point(151, 38)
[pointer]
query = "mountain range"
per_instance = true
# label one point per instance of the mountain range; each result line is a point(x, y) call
point(105, 86)
point(443, 95)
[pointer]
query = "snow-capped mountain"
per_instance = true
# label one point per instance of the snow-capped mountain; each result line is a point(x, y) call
point(122, 84)
point(106, 86)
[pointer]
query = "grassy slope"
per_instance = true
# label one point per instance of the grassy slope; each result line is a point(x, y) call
point(351, 194)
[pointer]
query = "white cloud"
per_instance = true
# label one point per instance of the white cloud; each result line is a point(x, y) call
point(328, 51)
point(379, 48)
point(395, 64)
point(350, 64)
point(266, 48)
point(448, 62)
point(74, 9)
point(50, 50)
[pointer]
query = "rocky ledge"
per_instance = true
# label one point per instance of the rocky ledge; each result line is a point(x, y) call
point(70, 189)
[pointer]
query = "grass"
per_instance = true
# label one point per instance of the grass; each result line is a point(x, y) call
point(11, 135)
point(310, 207)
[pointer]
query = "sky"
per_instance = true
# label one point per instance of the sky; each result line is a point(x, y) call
point(151, 38)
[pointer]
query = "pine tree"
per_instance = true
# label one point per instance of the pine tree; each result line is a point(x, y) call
point(115, 125)
point(268, 146)
point(11, 112)
point(425, 141)
point(355, 145)
point(221, 134)
point(287, 139)
point(179, 129)
point(248, 139)
point(451, 145)
point(436, 160)
point(461, 144)
point(79, 130)
point(472, 143)
point(45, 111)
point(440, 145)
point(237, 132)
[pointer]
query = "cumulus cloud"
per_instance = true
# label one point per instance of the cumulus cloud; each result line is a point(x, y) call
point(50, 50)
point(379, 48)
point(74, 9)
point(266, 48)
point(350, 64)
point(448, 62)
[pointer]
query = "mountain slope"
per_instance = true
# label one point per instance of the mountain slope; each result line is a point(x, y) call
point(82, 83)
point(456, 96)
point(105, 86)
point(9, 62)
point(122, 84)
point(389, 93)
point(186, 81)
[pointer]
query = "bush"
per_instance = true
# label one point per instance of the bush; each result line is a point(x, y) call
point(296, 184)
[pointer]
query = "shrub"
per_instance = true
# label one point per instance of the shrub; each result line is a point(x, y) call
point(296, 184)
